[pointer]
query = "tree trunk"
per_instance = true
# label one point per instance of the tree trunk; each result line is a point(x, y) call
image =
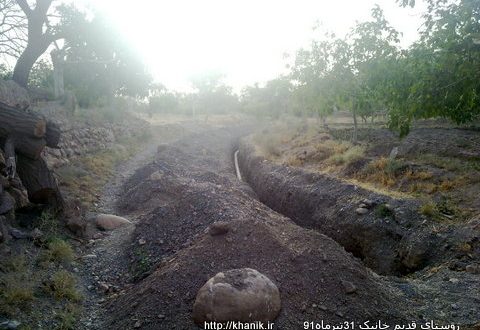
point(355, 126)
point(25, 63)
point(58, 68)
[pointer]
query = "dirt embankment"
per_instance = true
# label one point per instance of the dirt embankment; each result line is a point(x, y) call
point(189, 186)
point(390, 238)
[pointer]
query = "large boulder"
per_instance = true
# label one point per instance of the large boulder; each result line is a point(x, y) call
point(13, 95)
point(237, 295)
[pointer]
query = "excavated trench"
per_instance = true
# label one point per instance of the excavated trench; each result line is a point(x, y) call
point(391, 239)
point(190, 187)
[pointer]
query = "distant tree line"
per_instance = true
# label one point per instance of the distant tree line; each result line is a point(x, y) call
point(366, 72)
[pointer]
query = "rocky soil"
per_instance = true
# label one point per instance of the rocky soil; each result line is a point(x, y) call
point(194, 219)
point(335, 252)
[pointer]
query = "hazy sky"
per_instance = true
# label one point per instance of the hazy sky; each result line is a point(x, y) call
point(244, 39)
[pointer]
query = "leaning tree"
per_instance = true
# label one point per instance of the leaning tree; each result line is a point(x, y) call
point(40, 35)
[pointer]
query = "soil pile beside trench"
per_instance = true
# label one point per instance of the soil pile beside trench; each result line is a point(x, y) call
point(190, 185)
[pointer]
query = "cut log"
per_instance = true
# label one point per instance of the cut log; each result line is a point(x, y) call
point(53, 135)
point(30, 147)
point(13, 95)
point(39, 181)
point(7, 203)
point(13, 121)
point(10, 162)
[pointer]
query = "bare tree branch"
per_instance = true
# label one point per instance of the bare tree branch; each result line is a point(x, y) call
point(25, 7)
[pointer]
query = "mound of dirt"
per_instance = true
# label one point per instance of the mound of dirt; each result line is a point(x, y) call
point(191, 185)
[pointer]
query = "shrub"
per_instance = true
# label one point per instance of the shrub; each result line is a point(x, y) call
point(62, 286)
point(57, 251)
point(384, 211)
point(429, 209)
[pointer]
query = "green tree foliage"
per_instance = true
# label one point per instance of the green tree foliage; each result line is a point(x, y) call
point(271, 100)
point(99, 62)
point(367, 72)
point(211, 95)
point(439, 75)
point(162, 100)
point(335, 72)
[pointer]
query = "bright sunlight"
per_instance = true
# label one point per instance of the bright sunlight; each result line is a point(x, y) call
point(245, 40)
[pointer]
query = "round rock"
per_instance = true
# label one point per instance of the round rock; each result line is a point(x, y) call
point(237, 295)
point(110, 221)
point(361, 211)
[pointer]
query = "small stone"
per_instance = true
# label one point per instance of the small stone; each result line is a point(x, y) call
point(137, 324)
point(349, 287)
point(97, 236)
point(10, 324)
point(323, 307)
point(393, 153)
point(473, 269)
point(18, 234)
point(368, 202)
point(36, 234)
point(453, 280)
point(90, 256)
point(455, 306)
point(103, 286)
point(157, 175)
point(142, 241)
point(361, 211)
point(363, 206)
point(314, 305)
point(161, 316)
point(219, 228)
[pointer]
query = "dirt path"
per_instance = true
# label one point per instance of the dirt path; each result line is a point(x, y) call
point(105, 267)
point(103, 258)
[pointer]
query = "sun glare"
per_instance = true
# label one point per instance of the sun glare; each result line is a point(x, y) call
point(245, 40)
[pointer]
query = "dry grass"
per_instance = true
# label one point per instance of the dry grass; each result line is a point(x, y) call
point(57, 251)
point(428, 209)
point(86, 176)
point(347, 155)
point(16, 292)
point(16, 288)
point(63, 286)
point(384, 171)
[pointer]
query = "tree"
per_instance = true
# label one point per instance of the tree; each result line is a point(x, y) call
point(335, 72)
point(212, 95)
point(39, 37)
point(13, 27)
point(98, 62)
point(439, 75)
